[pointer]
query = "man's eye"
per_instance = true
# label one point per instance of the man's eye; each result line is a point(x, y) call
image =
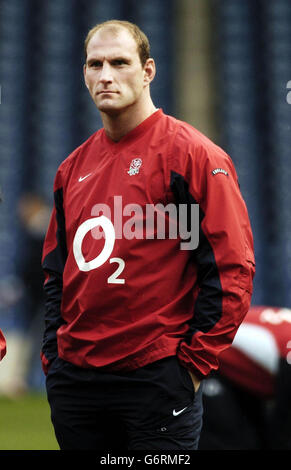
point(95, 64)
point(118, 62)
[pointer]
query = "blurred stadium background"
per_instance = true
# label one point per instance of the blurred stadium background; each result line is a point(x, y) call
point(222, 65)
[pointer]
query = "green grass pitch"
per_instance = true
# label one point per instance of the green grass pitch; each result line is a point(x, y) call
point(25, 424)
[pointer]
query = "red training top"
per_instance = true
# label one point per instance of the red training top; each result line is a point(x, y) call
point(129, 298)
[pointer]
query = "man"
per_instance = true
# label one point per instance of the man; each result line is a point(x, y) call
point(133, 321)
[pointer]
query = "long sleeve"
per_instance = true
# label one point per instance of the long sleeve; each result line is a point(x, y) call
point(224, 257)
point(53, 262)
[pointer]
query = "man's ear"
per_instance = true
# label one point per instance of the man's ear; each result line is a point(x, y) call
point(149, 71)
point(84, 73)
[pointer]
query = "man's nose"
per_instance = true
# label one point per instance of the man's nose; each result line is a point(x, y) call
point(106, 73)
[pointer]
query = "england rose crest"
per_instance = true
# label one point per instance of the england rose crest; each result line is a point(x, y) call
point(135, 166)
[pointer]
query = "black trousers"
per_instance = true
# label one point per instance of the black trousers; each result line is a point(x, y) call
point(151, 408)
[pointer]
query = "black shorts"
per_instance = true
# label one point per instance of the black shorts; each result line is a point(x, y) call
point(150, 408)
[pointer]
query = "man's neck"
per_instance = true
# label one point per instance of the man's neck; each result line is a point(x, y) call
point(117, 126)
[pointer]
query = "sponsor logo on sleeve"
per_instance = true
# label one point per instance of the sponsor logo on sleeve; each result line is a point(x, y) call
point(219, 170)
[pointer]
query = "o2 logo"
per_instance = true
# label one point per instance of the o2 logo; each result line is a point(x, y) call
point(109, 235)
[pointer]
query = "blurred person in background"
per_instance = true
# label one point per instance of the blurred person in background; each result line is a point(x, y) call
point(125, 352)
point(34, 213)
point(2, 345)
point(247, 401)
point(21, 369)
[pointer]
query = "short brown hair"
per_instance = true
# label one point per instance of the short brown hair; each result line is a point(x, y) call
point(143, 46)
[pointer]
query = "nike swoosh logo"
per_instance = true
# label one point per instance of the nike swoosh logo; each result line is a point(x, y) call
point(176, 413)
point(84, 177)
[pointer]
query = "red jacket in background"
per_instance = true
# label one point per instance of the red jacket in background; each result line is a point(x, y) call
point(2, 345)
point(263, 340)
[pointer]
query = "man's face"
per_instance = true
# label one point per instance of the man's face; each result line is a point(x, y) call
point(113, 72)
